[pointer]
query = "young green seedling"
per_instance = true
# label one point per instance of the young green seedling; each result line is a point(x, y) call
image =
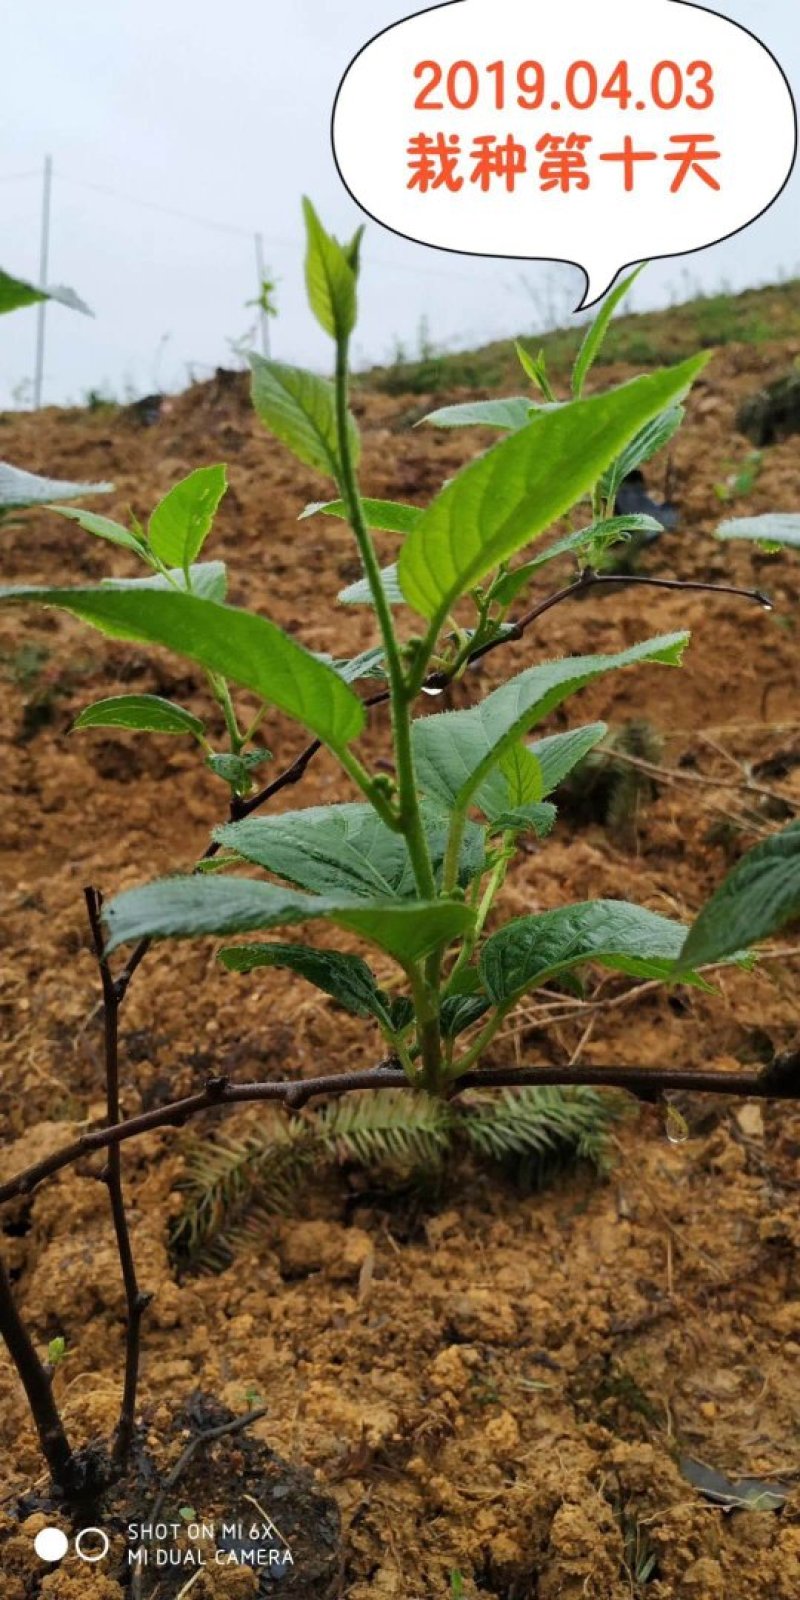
point(411, 860)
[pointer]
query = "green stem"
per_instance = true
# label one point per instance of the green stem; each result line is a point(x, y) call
point(547, 389)
point(222, 695)
point(409, 820)
point(455, 838)
point(469, 643)
point(420, 670)
point(493, 887)
point(400, 1050)
point(426, 1010)
point(361, 778)
point(459, 817)
point(484, 1038)
point(251, 730)
point(463, 960)
point(496, 881)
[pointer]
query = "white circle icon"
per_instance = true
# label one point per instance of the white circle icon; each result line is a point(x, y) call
point(51, 1544)
point(92, 1534)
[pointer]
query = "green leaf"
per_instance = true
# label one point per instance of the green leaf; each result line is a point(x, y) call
point(300, 409)
point(360, 594)
point(208, 580)
point(509, 414)
point(527, 362)
point(535, 370)
point(352, 250)
point(182, 521)
point(539, 817)
point(612, 530)
point(587, 544)
point(147, 713)
point(771, 530)
point(369, 664)
point(237, 770)
point(464, 981)
point(101, 527)
point(19, 489)
point(498, 503)
point(511, 797)
point(625, 937)
point(327, 849)
point(590, 349)
point(185, 908)
point(757, 899)
point(385, 516)
point(330, 278)
point(347, 979)
point(558, 753)
point(456, 750)
point(248, 649)
point(56, 1350)
point(408, 931)
point(401, 1012)
point(15, 293)
point(522, 775)
point(652, 438)
point(460, 1012)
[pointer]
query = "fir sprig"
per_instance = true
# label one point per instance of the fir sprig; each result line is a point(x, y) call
point(234, 1187)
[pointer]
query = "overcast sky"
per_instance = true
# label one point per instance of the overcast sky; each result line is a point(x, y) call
point(222, 112)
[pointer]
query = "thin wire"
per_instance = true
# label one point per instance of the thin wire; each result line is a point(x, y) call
point(233, 229)
point(168, 211)
point(274, 242)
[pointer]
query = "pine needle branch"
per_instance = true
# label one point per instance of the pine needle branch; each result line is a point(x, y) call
point(234, 1188)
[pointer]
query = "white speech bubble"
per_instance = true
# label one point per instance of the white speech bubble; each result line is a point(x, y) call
point(600, 100)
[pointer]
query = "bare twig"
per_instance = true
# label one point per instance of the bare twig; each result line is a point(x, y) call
point(779, 1081)
point(589, 579)
point(136, 1301)
point(35, 1379)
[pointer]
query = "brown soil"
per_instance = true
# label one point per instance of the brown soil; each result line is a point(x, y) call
point(228, 1508)
point(504, 1389)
